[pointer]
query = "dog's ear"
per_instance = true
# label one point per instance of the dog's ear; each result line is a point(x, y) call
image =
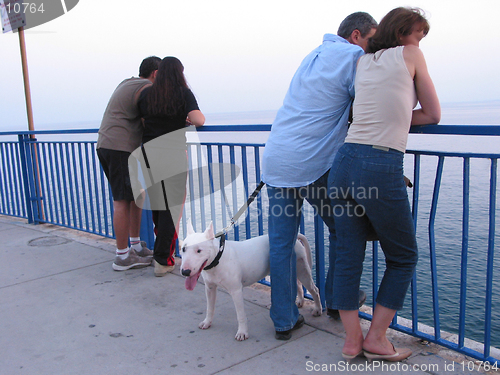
point(190, 229)
point(209, 232)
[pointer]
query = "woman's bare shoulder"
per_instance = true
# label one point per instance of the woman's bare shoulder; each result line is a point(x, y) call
point(413, 52)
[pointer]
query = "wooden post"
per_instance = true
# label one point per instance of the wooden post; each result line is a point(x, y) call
point(24, 61)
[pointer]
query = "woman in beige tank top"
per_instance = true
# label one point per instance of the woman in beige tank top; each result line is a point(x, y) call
point(389, 81)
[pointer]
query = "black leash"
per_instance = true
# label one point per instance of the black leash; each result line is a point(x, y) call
point(234, 219)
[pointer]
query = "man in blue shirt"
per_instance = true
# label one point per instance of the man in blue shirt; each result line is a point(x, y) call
point(308, 130)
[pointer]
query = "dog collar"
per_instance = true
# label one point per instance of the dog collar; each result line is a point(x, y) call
point(215, 262)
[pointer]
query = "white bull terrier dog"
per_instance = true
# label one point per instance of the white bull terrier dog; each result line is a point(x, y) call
point(241, 264)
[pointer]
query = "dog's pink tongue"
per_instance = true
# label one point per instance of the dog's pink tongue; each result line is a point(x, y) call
point(191, 282)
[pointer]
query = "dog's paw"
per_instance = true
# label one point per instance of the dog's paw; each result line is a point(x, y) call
point(300, 302)
point(205, 324)
point(316, 312)
point(240, 336)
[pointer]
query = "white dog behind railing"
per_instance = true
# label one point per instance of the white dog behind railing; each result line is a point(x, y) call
point(242, 263)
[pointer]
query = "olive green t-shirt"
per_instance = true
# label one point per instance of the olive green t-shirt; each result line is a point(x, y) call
point(121, 127)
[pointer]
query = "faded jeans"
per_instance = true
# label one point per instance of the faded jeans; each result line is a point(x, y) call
point(366, 186)
point(285, 210)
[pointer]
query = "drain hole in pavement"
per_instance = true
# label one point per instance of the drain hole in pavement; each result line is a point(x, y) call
point(48, 241)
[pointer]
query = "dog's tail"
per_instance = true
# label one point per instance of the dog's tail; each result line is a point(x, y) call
point(303, 240)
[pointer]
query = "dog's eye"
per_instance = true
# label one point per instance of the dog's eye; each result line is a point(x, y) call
point(183, 249)
point(199, 251)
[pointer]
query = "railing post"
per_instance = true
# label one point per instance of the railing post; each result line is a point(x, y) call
point(319, 240)
point(30, 190)
point(26, 183)
point(490, 258)
point(432, 248)
point(464, 254)
point(414, 212)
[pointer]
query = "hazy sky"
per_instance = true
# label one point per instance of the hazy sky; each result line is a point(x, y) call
point(238, 55)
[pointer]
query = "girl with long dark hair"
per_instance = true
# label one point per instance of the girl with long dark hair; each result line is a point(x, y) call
point(167, 107)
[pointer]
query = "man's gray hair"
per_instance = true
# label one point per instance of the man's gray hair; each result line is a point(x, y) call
point(357, 21)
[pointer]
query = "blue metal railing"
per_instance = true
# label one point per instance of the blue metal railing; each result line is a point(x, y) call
point(61, 182)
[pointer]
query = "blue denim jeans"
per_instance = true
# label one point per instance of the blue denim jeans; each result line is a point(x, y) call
point(366, 186)
point(285, 210)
